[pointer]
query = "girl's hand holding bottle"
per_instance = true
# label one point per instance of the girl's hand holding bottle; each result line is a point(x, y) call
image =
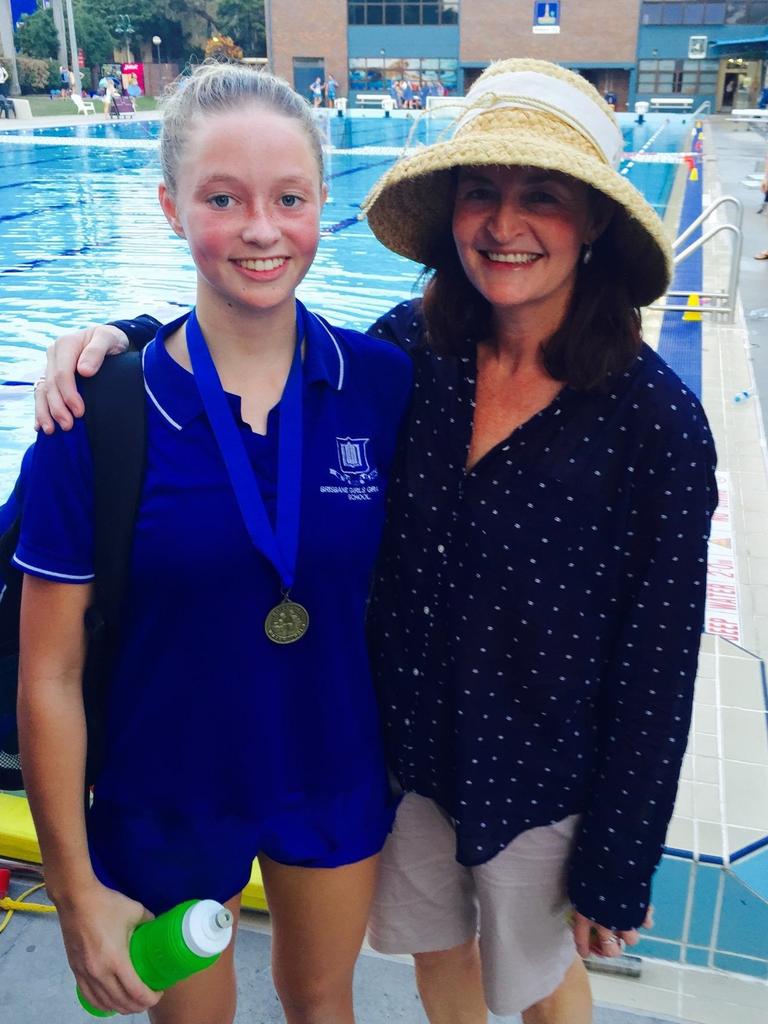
point(97, 924)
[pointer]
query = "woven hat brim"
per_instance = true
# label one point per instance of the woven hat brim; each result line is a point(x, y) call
point(410, 207)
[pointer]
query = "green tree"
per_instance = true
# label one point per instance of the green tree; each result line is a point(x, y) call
point(36, 35)
point(93, 35)
point(244, 21)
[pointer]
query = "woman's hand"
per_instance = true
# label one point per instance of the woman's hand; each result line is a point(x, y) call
point(56, 397)
point(97, 927)
point(592, 938)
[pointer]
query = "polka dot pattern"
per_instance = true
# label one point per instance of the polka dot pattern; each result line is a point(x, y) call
point(535, 623)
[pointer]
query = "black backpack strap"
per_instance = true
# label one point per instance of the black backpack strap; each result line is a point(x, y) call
point(115, 418)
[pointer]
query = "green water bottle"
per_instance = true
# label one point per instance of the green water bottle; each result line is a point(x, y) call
point(175, 945)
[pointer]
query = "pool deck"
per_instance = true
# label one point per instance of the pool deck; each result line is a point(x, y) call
point(722, 804)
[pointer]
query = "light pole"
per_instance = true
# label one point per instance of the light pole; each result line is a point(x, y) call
point(156, 40)
point(73, 46)
point(124, 28)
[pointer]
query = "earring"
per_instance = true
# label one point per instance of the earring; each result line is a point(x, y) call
point(586, 255)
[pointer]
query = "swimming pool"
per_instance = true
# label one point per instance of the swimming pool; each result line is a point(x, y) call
point(82, 237)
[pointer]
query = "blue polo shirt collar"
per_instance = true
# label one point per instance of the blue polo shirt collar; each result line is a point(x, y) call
point(173, 391)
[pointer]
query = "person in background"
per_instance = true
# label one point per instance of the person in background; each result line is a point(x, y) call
point(331, 85)
point(109, 93)
point(316, 92)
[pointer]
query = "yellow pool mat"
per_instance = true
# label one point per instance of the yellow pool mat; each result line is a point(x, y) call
point(19, 842)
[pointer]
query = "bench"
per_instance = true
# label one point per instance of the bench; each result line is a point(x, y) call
point(749, 116)
point(382, 100)
point(19, 108)
point(671, 103)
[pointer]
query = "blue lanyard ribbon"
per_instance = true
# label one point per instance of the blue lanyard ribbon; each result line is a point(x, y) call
point(279, 546)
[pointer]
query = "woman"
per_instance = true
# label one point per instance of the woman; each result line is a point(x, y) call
point(535, 622)
point(536, 618)
point(241, 714)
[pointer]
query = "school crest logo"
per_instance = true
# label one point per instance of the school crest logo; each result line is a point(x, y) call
point(353, 454)
point(355, 475)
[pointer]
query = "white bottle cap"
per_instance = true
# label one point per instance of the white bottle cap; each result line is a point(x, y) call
point(207, 928)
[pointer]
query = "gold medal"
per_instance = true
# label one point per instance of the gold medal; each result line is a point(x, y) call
point(287, 622)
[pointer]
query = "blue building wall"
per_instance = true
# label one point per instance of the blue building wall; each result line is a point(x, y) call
point(404, 41)
point(670, 42)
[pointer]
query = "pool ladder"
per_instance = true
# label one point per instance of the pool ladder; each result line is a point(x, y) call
point(723, 302)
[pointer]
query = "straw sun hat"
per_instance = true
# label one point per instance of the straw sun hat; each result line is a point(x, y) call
point(527, 113)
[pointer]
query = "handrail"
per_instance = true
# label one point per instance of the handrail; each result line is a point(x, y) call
point(729, 310)
point(707, 213)
point(706, 105)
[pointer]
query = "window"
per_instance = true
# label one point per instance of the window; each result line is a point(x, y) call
point(676, 77)
point(402, 12)
point(714, 14)
point(377, 74)
point(649, 15)
point(393, 14)
point(705, 12)
point(745, 12)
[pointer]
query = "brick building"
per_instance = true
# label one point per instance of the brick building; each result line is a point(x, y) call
point(366, 44)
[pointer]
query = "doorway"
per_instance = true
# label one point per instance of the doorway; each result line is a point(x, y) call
point(305, 71)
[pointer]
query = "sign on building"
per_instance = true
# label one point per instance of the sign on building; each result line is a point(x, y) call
point(546, 18)
point(697, 47)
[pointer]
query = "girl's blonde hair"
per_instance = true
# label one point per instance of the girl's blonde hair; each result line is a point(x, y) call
point(216, 88)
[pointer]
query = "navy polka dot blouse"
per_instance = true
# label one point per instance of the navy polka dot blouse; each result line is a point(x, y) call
point(535, 624)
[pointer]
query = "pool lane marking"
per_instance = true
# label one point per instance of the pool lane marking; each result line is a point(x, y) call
point(82, 250)
point(23, 184)
point(354, 170)
point(46, 160)
point(79, 142)
point(347, 222)
point(340, 225)
point(32, 213)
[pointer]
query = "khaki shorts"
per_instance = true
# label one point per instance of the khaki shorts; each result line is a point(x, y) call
point(426, 901)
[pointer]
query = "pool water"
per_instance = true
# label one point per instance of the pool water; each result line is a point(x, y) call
point(82, 237)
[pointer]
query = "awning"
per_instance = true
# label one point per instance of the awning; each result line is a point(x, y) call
point(754, 46)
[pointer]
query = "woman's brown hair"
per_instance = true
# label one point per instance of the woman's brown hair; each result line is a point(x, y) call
point(599, 337)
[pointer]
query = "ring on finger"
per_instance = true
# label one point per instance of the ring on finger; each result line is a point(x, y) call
point(38, 383)
point(610, 938)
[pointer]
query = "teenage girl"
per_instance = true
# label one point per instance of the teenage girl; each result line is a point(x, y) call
point(241, 714)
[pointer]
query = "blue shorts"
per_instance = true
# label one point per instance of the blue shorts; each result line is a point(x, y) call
point(162, 863)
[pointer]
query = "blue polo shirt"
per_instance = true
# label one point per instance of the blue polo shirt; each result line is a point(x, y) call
point(221, 743)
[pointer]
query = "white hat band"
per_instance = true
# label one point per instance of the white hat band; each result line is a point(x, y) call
point(532, 90)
